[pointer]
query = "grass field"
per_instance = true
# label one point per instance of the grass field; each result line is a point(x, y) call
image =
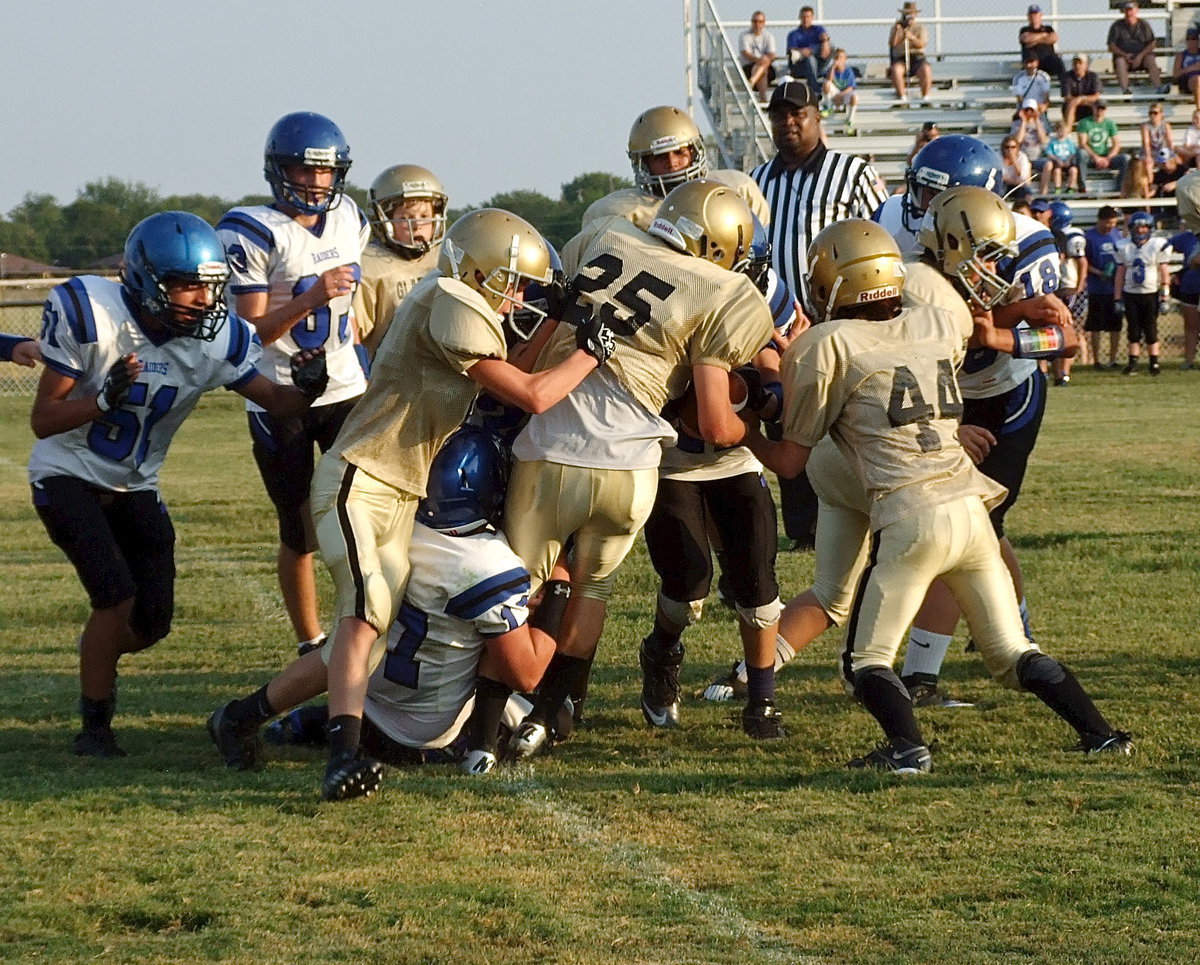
point(628, 845)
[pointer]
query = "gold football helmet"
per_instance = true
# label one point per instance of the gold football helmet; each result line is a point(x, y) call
point(659, 131)
point(853, 263)
point(406, 182)
point(708, 220)
point(967, 230)
point(497, 254)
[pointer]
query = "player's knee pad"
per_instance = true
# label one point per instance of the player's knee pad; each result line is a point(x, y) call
point(761, 617)
point(295, 531)
point(1035, 671)
point(594, 588)
point(680, 614)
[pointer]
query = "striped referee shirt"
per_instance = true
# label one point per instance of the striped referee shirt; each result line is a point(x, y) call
point(828, 187)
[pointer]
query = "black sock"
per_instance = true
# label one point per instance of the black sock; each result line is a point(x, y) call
point(760, 682)
point(345, 733)
point(561, 677)
point(1058, 689)
point(889, 703)
point(254, 710)
point(97, 714)
point(484, 723)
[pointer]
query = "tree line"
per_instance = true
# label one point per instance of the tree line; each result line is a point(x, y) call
point(93, 227)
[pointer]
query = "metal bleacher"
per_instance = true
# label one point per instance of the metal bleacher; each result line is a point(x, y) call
point(971, 93)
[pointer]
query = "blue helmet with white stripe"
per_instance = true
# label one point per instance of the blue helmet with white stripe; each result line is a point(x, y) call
point(171, 248)
point(1061, 216)
point(466, 486)
point(305, 139)
point(946, 162)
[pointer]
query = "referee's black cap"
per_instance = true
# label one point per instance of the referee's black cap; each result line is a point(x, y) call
point(793, 93)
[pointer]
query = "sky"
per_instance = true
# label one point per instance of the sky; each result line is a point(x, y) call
point(491, 95)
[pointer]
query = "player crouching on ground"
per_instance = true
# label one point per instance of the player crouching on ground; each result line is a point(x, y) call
point(879, 378)
point(125, 363)
point(465, 610)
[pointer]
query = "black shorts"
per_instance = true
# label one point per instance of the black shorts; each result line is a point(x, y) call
point(122, 545)
point(1101, 316)
point(915, 63)
point(1141, 316)
point(283, 450)
point(1014, 418)
point(742, 513)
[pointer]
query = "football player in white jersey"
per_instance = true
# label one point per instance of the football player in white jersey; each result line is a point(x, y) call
point(465, 612)
point(295, 264)
point(408, 221)
point(879, 378)
point(124, 365)
point(1143, 271)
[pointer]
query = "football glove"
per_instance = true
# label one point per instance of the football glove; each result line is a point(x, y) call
point(595, 338)
point(310, 376)
point(1164, 305)
point(1119, 309)
point(116, 385)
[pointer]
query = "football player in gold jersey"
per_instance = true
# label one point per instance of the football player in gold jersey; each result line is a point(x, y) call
point(879, 378)
point(446, 342)
point(408, 221)
point(679, 310)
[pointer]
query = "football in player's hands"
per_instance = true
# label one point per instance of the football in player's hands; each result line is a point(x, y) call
point(687, 410)
point(309, 372)
point(121, 376)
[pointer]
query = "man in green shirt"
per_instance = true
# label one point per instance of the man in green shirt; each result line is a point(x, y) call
point(1100, 144)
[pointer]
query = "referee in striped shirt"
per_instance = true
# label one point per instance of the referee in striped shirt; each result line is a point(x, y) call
point(807, 187)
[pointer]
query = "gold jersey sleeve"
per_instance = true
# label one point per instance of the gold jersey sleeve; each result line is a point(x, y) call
point(628, 203)
point(419, 391)
point(667, 310)
point(925, 285)
point(748, 189)
point(386, 279)
point(886, 393)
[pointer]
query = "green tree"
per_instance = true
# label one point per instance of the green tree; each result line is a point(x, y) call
point(29, 225)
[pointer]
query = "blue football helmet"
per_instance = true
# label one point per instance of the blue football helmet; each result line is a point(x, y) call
point(312, 140)
point(174, 246)
point(1141, 227)
point(946, 162)
point(1061, 216)
point(760, 256)
point(539, 300)
point(465, 491)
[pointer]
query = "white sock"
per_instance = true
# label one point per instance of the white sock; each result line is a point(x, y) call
point(925, 652)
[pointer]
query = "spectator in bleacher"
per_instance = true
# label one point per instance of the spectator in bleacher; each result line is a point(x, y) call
point(1032, 83)
point(1187, 148)
point(1081, 88)
point(906, 54)
point(809, 51)
point(1100, 144)
point(1031, 131)
point(1100, 249)
point(841, 89)
point(929, 130)
point(1061, 155)
point(1187, 66)
point(1131, 42)
point(758, 54)
point(1158, 152)
point(1016, 169)
point(1038, 39)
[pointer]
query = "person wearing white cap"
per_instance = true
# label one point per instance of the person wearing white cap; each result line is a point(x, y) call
point(1031, 84)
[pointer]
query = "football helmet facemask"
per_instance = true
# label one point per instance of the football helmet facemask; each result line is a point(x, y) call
point(659, 131)
point(406, 182)
point(467, 480)
point(851, 264)
point(967, 230)
point(498, 254)
point(706, 219)
point(760, 257)
point(308, 140)
point(1141, 227)
point(176, 247)
point(541, 300)
point(946, 162)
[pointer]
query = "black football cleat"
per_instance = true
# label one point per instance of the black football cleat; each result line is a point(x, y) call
point(349, 776)
point(660, 682)
point(762, 720)
point(239, 745)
